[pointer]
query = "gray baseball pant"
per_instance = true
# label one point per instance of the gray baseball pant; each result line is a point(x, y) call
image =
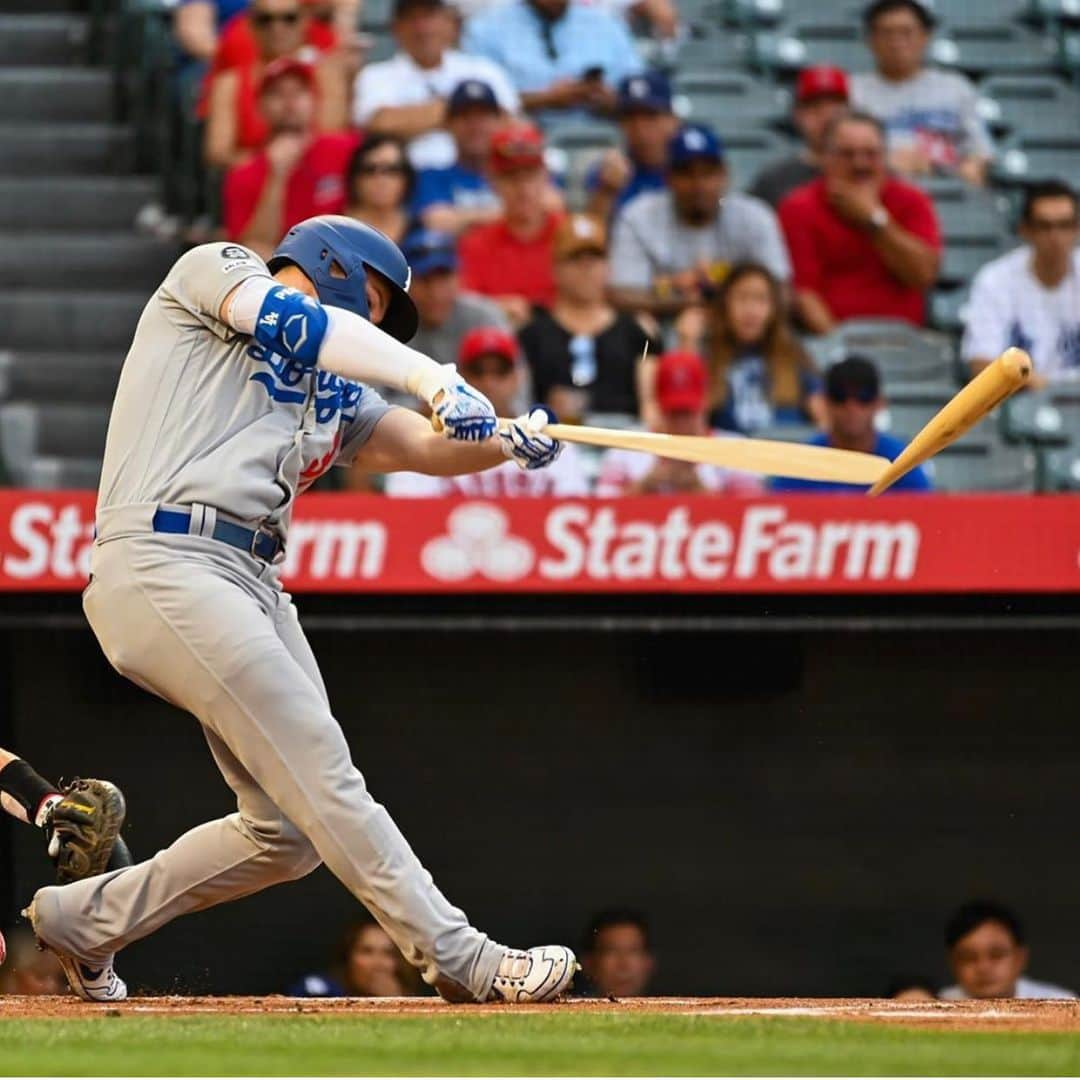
point(203, 626)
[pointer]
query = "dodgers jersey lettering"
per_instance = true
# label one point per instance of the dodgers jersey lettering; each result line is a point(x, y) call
point(204, 414)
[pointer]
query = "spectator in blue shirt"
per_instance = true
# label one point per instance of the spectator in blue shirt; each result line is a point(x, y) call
point(453, 198)
point(648, 123)
point(564, 57)
point(852, 400)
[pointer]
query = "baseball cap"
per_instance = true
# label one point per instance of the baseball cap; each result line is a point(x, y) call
point(648, 92)
point(577, 233)
point(694, 142)
point(485, 341)
point(820, 81)
point(286, 65)
point(427, 250)
point(516, 146)
point(680, 382)
point(470, 94)
point(854, 376)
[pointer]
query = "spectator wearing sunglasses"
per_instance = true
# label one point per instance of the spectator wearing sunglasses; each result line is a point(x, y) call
point(407, 95)
point(1031, 296)
point(511, 260)
point(490, 361)
point(862, 243)
point(852, 400)
point(298, 174)
point(235, 125)
point(379, 186)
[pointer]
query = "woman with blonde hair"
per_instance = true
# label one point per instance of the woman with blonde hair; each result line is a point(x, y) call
point(759, 374)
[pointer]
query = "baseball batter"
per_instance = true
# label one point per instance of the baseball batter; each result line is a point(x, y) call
point(244, 382)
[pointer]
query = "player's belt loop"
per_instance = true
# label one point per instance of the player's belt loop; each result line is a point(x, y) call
point(203, 520)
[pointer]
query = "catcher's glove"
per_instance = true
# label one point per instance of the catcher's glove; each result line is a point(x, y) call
point(84, 830)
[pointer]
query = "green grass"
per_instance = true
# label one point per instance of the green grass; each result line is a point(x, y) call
point(283, 1045)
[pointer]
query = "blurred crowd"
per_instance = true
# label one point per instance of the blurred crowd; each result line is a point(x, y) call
point(655, 293)
point(986, 954)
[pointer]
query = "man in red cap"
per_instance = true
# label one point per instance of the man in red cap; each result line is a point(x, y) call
point(491, 361)
point(820, 94)
point(511, 259)
point(681, 393)
point(299, 173)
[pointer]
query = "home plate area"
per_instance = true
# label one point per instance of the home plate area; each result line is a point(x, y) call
point(971, 1015)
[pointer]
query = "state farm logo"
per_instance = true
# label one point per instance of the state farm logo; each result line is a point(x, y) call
point(478, 541)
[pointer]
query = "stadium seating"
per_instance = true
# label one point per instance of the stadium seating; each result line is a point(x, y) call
point(980, 48)
point(1030, 104)
point(903, 353)
point(1059, 470)
point(1034, 418)
point(1026, 158)
point(730, 101)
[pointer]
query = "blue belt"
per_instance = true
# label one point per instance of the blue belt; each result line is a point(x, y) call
point(261, 542)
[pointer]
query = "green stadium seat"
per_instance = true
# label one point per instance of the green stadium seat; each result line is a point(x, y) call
point(1030, 104)
point(1059, 470)
point(1055, 12)
point(730, 101)
point(797, 45)
point(1032, 417)
point(710, 49)
point(748, 151)
point(751, 12)
point(948, 308)
point(967, 213)
point(1027, 158)
point(902, 352)
point(994, 47)
point(973, 465)
point(964, 256)
point(980, 12)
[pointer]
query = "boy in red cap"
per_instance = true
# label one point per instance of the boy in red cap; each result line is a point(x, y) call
point(511, 259)
point(820, 94)
point(681, 383)
point(491, 361)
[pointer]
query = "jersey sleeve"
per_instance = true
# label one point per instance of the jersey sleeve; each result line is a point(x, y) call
point(195, 288)
point(631, 267)
point(358, 421)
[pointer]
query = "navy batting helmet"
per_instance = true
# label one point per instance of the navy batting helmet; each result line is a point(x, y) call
point(321, 243)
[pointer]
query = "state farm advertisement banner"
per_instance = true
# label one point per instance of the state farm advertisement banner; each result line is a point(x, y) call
point(357, 543)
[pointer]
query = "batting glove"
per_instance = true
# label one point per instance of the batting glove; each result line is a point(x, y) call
point(463, 412)
point(523, 440)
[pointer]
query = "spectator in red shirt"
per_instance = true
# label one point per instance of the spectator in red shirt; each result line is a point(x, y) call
point(512, 259)
point(862, 243)
point(298, 173)
point(235, 127)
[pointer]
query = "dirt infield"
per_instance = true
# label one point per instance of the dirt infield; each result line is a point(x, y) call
point(969, 1015)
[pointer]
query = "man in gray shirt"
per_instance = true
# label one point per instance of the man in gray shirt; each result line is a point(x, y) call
point(930, 116)
point(670, 248)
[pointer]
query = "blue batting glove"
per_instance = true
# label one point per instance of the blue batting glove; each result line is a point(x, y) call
point(524, 442)
point(465, 413)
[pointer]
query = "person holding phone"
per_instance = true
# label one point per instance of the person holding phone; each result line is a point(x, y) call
point(564, 56)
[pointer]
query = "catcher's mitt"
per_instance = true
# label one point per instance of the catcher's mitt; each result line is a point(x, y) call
point(84, 830)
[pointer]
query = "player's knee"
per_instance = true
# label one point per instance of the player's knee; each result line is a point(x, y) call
point(291, 854)
point(292, 325)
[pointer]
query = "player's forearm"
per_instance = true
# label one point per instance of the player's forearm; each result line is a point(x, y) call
point(437, 456)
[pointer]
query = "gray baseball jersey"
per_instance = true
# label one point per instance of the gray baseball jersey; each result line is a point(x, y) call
point(213, 417)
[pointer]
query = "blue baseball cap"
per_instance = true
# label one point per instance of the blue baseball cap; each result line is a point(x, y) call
point(695, 142)
point(428, 250)
point(648, 92)
point(471, 94)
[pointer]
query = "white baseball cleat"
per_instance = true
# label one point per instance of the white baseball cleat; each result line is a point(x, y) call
point(535, 975)
point(91, 984)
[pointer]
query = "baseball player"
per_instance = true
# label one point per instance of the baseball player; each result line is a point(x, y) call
point(244, 382)
point(81, 821)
